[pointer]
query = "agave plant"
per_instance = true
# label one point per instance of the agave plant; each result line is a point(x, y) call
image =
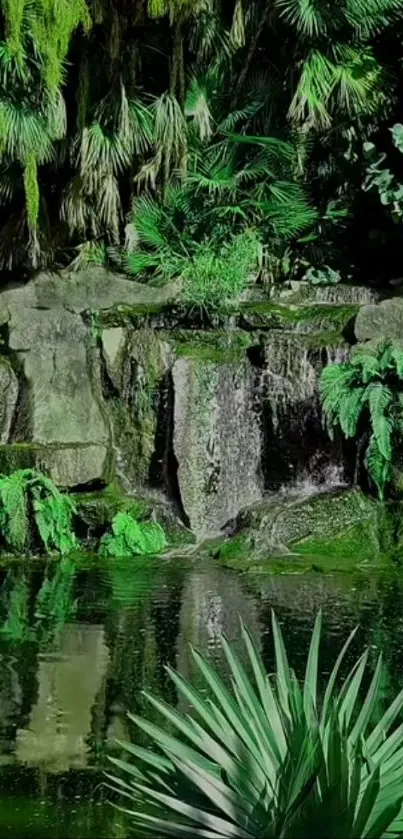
point(269, 758)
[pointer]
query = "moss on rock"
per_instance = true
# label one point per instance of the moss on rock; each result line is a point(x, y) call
point(298, 531)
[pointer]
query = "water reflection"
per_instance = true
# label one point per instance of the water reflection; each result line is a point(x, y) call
point(77, 647)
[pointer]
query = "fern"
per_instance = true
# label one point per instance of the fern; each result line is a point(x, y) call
point(368, 386)
point(28, 497)
point(380, 399)
point(131, 537)
point(14, 518)
point(378, 468)
point(350, 411)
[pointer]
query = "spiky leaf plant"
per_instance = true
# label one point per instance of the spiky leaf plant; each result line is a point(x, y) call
point(271, 757)
point(130, 537)
point(367, 391)
point(26, 497)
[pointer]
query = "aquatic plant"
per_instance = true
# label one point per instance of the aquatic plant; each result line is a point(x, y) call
point(130, 536)
point(368, 391)
point(27, 497)
point(268, 758)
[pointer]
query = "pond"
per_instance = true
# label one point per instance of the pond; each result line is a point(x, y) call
point(78, 644)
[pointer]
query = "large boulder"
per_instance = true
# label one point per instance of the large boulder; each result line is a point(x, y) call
point(216, 440)
point(91, 289)
point(53, 351)
point(72, 465)
point(380, 320)
point(310, 525)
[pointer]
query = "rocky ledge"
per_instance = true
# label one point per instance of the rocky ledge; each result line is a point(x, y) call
point(103, 383)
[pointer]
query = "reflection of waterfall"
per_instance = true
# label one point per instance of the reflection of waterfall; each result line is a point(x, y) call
point(60, 721)
point(297, 449)
point(213, 603)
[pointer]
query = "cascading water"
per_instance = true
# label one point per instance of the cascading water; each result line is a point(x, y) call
point(297, 451)
point(217, 440)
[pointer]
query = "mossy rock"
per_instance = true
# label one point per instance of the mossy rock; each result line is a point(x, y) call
point(216, 346)
point(296, 533)
point(318, 317)
point(69, 465)
point(97, 509)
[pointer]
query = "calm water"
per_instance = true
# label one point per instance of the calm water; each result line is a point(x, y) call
point(77, 647)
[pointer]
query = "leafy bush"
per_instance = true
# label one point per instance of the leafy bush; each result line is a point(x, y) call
point(211, 280)
point(268, 758)
point(368, 390)
point(130, 537)
point(27, 496)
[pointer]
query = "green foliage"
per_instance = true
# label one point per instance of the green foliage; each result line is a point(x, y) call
point(214, 281)
point(268, 757)
point(367, 391)
point(27, 496)
point(130, 537)
point(260, 137)
point(322, 276)
point(379, 178)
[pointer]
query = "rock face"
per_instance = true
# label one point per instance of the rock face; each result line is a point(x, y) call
point(217, 440)
point(383, 320)
point(101, 382)
point(279, 526)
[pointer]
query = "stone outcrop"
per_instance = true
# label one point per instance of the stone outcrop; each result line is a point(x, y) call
point(102, 381)
point(382, 320)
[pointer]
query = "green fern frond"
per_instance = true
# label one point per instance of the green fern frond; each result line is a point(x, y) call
point(366, 361)
point(52, 512)
point(130, 537)
point(379, 468)
point(397, 358)
point(335, 381)
point(380, 398)
point(53, 517)
point(349, 411)
point(14, 504)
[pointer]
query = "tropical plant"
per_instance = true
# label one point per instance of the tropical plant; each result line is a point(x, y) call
point(130, 537)
point(271, 757)
point(367, 392)
point(26, 497)
point(378, 177)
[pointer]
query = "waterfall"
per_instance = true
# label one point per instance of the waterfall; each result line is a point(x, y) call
point(297, 451)
point(217, 439)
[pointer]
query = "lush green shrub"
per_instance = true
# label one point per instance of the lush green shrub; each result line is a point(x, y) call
point(367, 391)
point(130, 537)
point(213, 280)
point(27, 497)
point(268, 758)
